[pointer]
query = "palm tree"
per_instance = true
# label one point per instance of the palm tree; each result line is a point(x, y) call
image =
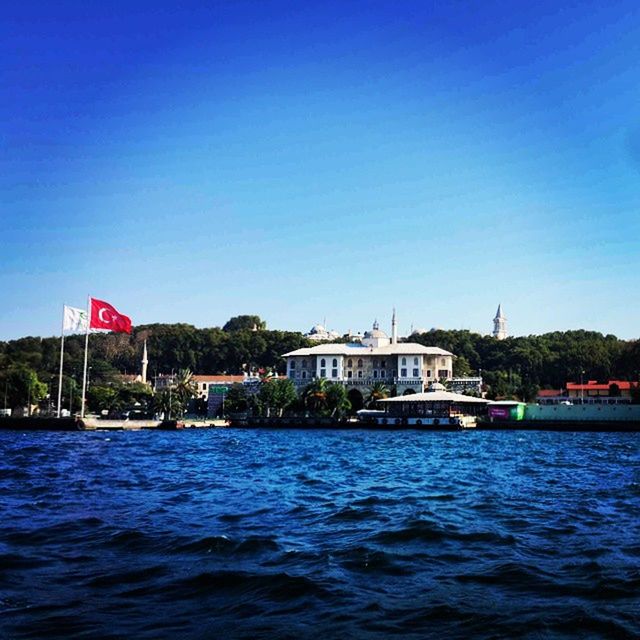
point(337, 400)
point(166, 403)
point(379, 391)
point(315, 395)
point(184, 386)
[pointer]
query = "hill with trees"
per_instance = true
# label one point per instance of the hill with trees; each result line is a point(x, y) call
point(516, 367)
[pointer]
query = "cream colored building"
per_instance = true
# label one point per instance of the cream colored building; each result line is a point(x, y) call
point(409, 367)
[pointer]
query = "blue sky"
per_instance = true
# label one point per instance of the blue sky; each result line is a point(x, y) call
point(193, 161)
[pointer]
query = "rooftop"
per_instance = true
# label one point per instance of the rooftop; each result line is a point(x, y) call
point(436, 396)
point(357, 349)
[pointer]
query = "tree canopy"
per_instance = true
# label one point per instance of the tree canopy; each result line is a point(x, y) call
point(517, 366)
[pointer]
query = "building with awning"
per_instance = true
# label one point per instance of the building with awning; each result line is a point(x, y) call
point(433, 408)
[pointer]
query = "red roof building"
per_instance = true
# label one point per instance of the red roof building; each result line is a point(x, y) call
point(593, 388)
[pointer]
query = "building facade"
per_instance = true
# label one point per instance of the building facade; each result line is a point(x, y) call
point(377, 359)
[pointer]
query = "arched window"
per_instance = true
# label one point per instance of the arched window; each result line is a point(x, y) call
point(323, 363)
point(292, 364)
point(359, 362)
point(404, 362)
point(304, 364)
point(335, 362)
point(349, 363)
point(415, 361)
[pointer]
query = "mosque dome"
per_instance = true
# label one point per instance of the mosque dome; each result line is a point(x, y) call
point(376, 332)
point(318, 328)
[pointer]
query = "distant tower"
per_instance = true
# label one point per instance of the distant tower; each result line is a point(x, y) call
point(394, 328)
point(145, 362)
point(500, 324)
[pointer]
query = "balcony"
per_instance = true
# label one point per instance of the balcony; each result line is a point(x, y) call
point(368, 381)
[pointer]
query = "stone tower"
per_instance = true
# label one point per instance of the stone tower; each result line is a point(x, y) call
point(500, 324)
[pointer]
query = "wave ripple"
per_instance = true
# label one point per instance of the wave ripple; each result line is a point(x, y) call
point(308, 534)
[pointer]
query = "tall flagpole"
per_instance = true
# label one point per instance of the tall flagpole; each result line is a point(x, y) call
point(61, 362)
point(86, 355)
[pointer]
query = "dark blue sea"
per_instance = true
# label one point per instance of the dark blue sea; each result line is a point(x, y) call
point(319, 534)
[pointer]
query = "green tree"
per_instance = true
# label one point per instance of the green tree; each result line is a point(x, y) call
point(461, 367)
point(103, 398)
point(240, 323)
point(184, 388)
point(237, 399)
point(286, 394)
point(337, 402)
point(314, 396)
point(379, 391)
point(166, 402)
point(22, 388)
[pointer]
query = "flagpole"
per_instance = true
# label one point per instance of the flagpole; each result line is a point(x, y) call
point(61, 362)
point(86, 355)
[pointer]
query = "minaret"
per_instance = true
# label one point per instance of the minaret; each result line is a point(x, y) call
point(145, 362)
point(500, 325)
point(394, 328)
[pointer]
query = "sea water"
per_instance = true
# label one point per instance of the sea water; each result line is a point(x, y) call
point(319, 534)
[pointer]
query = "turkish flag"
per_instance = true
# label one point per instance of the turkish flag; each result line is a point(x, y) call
point(105, 316)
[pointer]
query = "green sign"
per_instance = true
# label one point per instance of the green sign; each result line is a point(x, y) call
point(217, 389)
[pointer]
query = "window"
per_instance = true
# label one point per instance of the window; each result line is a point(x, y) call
point(416, 373)
point(349, 363)
point(335, 362)
point(304, 364)
point(359, 374)
point(443, 362)
point(323, 373)
point(323, 363)
point(375, 373)
point(375, 364)
point(403, 372)
point(404, 362)
point(428, 373)
point(334, 373)
point(304, 375)
point(383, 373)
point(349, 374)
point(292, 364)
point(360, 364)
point(443, 373)
point(415, 362)
point(383, 363)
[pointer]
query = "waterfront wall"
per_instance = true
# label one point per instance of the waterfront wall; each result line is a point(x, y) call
point(585, 412)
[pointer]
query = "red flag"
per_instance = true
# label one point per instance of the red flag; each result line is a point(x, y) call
point(105, 316)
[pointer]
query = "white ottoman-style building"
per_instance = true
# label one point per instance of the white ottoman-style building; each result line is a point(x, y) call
point(407, 366)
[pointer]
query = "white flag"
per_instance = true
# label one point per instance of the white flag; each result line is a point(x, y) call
point(74, 319)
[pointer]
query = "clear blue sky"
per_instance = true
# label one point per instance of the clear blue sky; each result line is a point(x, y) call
point(193, 161)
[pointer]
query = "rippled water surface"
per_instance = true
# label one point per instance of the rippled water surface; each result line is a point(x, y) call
point(327, 534)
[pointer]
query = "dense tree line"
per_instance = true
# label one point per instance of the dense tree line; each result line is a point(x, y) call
point(520, 366)
point(244, 344)
point(516, 366)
